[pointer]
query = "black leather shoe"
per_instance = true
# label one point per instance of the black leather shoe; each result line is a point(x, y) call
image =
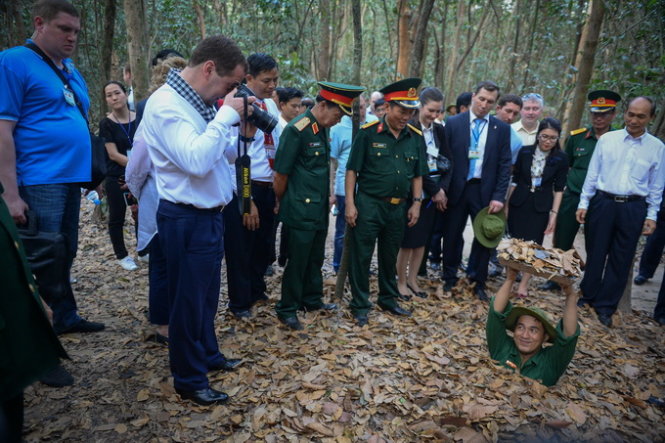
point(640, 280)
point(292, 322)
point(84, 326)
point(549, 286)
point(242, 314)
point(421, 294)
point(361, 320)
point(228, 364)
point(57, 377)
point(605, 319)
point(449, 285)
point(581, 302)
point(322, 307)
point(480, 293)
point(205, 397)
point(397, 310)
point(404, 297)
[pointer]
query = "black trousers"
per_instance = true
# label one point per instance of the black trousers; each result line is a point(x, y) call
point(611, 232)
point(653, 250)
point(11, 419)
point(455, 219)
point(248, 253)
point(117, 210)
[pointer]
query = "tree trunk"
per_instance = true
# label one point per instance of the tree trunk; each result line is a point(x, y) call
point(357, 61)
point(584, 64)
point(323, 59)
point(452, 62)
point(200, 18)
point(440, 69)
point(404, 44)
point(529, 52)
point(107, 41)
point(420, 38)
point(137, 47)
point(514, 56)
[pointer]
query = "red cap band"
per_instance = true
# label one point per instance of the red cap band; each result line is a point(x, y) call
point(336, 98)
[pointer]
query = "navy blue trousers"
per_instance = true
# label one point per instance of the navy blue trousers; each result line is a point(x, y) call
point(611, 233)
point(192, 241)
point(653, 249)
point(248, 253)
point(455, 219)
point(158, 295)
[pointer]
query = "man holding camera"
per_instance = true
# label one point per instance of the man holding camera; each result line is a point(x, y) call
point(191, 145)
point(248, 238)
point(302, 186)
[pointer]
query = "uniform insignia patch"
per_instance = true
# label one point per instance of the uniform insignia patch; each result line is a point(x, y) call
point(367, 125)
point(315, 144)
point(379, 128)
point(577, 131)
point(302, 123)
point(378, 145)
point(315, 128)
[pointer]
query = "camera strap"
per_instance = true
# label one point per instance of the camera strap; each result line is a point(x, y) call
point(243, 168)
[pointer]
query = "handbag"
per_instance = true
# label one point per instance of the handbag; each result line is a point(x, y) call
point(47, 255)
point(98, 169)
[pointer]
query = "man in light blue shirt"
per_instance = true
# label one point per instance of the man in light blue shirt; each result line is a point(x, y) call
point(340, 148)
point(620, 200)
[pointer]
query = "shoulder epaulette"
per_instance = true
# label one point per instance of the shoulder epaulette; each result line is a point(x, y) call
point(414, 129)
point(577, 131)
point(367, 125)
point(302, 123)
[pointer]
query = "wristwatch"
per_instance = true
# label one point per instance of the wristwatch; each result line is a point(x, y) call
point(417, 199)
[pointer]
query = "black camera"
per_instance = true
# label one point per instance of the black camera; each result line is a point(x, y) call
point(259, 118)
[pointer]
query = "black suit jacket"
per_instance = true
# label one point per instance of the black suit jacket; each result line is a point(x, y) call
point(553, 179)
point(432, 183)
point(495, 176)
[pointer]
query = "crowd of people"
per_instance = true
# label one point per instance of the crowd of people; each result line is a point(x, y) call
point(214, 171)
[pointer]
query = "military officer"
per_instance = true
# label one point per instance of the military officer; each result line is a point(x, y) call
point(386, 165)
point(302, 173)
point(579, 147)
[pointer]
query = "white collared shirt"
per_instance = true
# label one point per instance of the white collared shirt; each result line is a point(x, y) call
point(528, 137)
point(477, 173)
point(191, 157)
point(624, 165)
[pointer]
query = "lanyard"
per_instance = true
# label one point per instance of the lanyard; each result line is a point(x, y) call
point(477, 132)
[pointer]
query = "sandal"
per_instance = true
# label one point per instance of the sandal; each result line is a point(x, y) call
point(421, 294)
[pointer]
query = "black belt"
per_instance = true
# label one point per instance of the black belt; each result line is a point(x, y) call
point(621, 198)
point(392, 200)
point(262, 184)
point(212, 210)
point(473, 180)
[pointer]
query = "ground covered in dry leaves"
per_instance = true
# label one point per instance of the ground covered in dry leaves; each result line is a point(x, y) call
point(426, 378)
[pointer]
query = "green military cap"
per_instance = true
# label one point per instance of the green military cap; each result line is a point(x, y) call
point(340, 94)
point(603, 100)
point(539, 314)
point(403, 92)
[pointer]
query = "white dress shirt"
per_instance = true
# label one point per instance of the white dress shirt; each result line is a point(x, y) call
point(191, 157)
point(624, 165)
point(477, 173)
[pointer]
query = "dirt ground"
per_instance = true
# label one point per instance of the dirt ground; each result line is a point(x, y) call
point(425, 378)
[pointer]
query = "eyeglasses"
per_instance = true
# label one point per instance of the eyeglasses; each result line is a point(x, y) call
point(548, 138)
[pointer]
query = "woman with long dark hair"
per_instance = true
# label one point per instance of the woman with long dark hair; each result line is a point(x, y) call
point(539, 177)
point(117, 129)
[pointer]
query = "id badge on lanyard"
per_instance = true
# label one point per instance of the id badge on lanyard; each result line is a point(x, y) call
point(69, 96)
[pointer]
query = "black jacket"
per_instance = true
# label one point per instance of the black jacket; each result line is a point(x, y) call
point(553, 179)
point(432, 183)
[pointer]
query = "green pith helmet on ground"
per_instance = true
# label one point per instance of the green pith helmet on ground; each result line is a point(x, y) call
point(489, 228)
point(340, 94)
point(539, 314)
point(403, 92)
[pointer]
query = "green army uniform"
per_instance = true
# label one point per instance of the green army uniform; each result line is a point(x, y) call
point(579, 148)
point(29, 347)
point(304, 155)
point(385, 166)
point(547, 366)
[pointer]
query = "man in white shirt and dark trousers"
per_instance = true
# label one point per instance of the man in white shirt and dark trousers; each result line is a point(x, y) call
point(191, 145)
point(622, 194)
point(248, 240)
